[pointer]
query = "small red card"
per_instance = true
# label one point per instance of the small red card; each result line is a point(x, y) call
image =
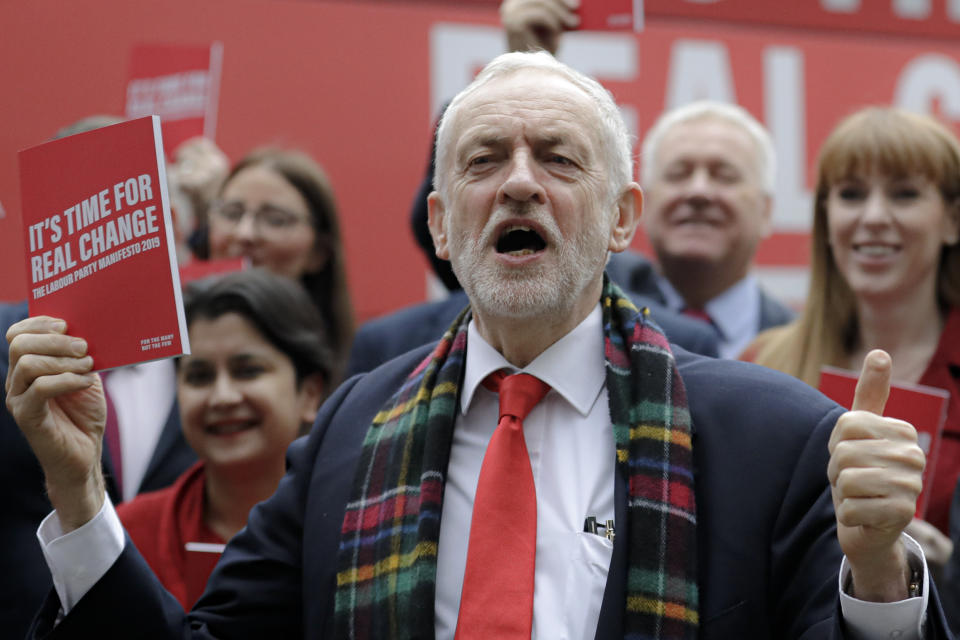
point(200, 269)
point(611, 15)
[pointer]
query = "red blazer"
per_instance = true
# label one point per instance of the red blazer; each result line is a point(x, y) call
point(944, 372)
point(161, 523)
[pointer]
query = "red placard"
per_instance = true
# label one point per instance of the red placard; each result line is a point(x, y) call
point(922, 406)
point(99, 242)
point(200, 269)
point(611, 15)
point(181, 84)
point(937, 18)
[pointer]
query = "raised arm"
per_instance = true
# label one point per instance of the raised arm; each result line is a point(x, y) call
point(537, 24)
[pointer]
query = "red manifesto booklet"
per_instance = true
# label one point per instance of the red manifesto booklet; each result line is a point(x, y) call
point(179, 83)
point(922, 406)
point(99, 242)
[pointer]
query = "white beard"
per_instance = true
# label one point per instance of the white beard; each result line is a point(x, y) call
point(537, 290)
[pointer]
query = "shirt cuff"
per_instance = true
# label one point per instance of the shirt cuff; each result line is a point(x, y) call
point(77, 560)
point(873, 620)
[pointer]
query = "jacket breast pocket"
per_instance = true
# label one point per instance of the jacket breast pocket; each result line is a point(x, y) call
point(730, 622)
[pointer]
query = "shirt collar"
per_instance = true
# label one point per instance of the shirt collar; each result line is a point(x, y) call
point(734, 313)
point(573, 366)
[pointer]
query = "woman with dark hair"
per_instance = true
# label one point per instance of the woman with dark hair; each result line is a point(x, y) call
point(885, 269)
point(276, 208)
point(258, 370)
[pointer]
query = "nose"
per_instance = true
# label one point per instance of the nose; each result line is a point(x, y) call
point(876, 208)
point(521, 183)
point(246, 228)
point(225, 392)
point(699, 187)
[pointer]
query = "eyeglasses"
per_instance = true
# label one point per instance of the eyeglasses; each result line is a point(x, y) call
point(266, 216)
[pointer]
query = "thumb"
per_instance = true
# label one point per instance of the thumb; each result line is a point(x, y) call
point(873, 387)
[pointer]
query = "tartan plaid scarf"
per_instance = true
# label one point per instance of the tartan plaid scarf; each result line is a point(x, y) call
point(388, 546)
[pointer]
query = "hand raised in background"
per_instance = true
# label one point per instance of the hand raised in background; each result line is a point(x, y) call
point(537, 24)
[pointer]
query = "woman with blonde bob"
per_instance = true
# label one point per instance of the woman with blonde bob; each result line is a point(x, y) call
point(885, 269)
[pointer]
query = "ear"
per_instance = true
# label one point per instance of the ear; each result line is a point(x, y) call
point(629, 209)
point(309, 396)
point(437, 221)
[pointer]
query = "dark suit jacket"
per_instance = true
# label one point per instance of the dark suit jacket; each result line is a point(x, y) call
point(637, 274)
point(25, 579)
point(951, 575)
point(767, 550)
point(389, 336)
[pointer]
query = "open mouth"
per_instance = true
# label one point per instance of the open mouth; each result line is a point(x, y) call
point(520, 241)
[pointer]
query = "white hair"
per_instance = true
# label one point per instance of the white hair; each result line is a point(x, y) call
point(615, 140)
point(703, 109)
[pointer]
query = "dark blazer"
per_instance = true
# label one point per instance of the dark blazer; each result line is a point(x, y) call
point(951, 575)
point(637, 274)
point(25, 578)
point(396, 333)
point(767, 550)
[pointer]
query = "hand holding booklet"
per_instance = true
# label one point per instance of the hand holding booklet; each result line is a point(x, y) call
point(99, 242)
point(922, 406)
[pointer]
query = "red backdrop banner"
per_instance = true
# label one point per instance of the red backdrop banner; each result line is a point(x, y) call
point(937, 18)
point(358, 86)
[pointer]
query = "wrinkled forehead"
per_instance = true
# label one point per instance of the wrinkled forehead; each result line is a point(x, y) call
point(537, 96)
point(710, 130)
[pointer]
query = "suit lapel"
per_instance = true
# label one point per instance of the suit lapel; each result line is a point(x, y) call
point(171, 457)
point(113, 491)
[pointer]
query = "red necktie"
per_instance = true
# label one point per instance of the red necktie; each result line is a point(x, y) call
point(699, 314)
point(497, 597)
point(111, 434)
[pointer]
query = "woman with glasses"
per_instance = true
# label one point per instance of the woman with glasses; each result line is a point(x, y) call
point(276, 209)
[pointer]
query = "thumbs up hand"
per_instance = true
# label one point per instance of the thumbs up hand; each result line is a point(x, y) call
point(876, 473)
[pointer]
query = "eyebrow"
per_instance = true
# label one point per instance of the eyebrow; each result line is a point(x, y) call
point(244, 357)
point(480, 139)
point(549, 140)
point(197, 360)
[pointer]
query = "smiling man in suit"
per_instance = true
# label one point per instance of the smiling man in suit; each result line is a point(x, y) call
point(708, 174)
point(610, 489)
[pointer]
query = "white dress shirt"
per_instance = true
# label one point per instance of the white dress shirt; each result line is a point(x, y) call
point(573, 457)
point(573, 465)
point(143, 396)
point(735, 313)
